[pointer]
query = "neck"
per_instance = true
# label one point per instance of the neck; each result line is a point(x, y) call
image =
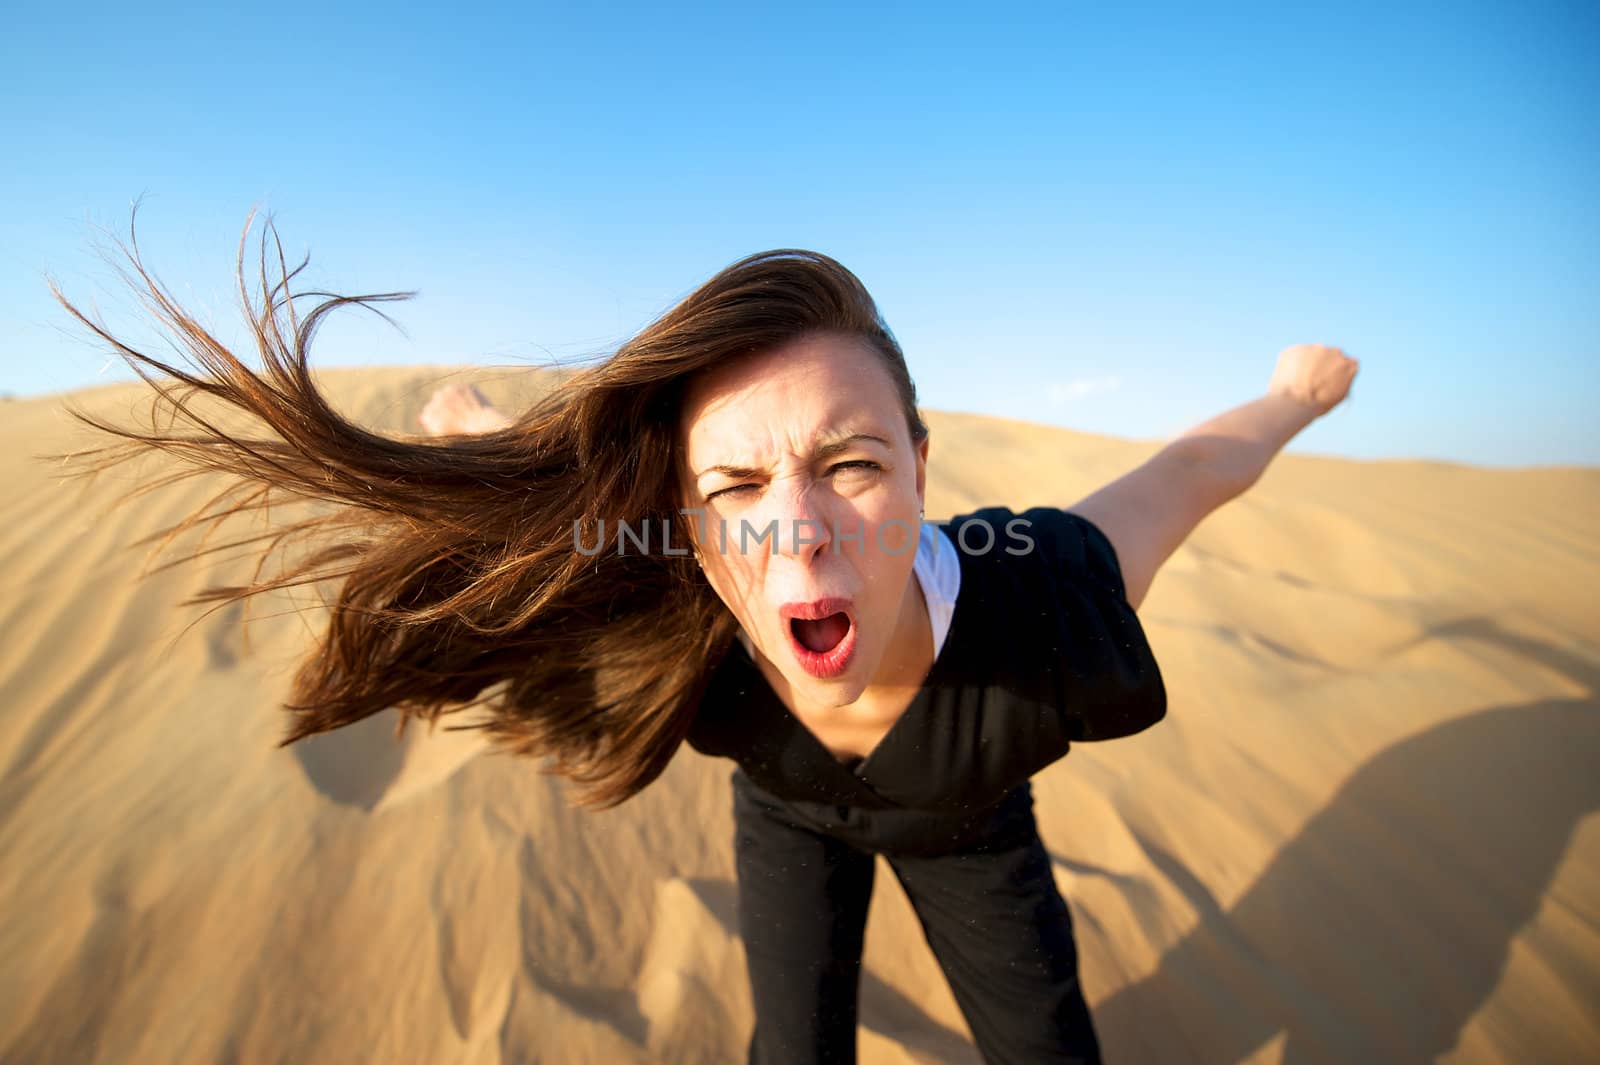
point(910, 655)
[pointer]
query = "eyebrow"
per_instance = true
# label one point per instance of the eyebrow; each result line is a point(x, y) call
point(832, 447)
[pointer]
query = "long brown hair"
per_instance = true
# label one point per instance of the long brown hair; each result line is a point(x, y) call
point(457, 559)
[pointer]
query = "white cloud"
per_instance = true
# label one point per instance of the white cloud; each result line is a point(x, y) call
point(1063, 392)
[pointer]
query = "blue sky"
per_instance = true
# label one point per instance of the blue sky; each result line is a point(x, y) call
point(1107, 218)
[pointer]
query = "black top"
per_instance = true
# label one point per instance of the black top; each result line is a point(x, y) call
point(1043, 649)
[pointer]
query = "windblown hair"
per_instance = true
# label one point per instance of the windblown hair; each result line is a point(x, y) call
point(456, 558)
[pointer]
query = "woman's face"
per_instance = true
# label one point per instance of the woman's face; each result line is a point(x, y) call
point(811, 492)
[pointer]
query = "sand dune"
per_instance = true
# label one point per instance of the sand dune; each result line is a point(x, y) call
point(1365, 833)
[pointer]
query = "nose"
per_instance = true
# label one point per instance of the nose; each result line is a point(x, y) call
point(803, 528)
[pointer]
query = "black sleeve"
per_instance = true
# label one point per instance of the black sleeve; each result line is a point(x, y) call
point(1077, 548)
point(1091, 661)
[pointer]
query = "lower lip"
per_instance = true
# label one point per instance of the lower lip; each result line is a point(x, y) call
point(824, 665)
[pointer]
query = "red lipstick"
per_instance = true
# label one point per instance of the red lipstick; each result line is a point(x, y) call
point(822, 634)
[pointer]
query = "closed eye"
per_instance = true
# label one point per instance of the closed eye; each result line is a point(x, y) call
point(853, 464)
point(733, 489)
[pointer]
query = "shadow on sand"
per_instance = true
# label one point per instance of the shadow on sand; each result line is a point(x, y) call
point(1377, 932)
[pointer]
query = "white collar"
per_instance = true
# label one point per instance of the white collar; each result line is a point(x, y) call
point(938, 573)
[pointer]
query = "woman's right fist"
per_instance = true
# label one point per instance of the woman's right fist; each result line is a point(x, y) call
point(455, 409)
point(1316, 375)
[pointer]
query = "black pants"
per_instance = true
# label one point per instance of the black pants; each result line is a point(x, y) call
point(981, 886)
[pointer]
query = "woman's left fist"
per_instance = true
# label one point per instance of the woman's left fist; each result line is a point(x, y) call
point(1313, 374)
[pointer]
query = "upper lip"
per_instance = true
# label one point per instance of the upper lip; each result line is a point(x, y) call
point(816, 609)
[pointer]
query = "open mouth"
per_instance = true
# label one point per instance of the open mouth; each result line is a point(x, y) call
point(822, 635)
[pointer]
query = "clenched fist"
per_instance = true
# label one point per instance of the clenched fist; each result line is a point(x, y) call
point(456, 409)
point(1313, 374)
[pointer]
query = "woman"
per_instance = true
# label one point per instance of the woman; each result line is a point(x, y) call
point(715, 535)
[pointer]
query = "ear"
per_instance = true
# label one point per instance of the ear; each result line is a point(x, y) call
point(922, 471)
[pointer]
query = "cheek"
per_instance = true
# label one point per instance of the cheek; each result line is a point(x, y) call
point(732, 578)
point(886, 567)
point(888, 526)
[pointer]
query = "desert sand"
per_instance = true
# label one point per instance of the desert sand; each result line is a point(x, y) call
point(1366, 831)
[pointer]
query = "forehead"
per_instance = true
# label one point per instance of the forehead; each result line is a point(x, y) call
point(819, 385)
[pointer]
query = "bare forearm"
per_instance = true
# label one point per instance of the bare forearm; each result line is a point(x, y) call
point(1149, 512)
point(1238, 444)
point(489, 420)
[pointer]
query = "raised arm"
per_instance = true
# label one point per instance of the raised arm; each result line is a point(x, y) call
point(1148, 512)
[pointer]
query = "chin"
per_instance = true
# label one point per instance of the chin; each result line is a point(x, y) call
point(832, 691)
point(841, 692)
